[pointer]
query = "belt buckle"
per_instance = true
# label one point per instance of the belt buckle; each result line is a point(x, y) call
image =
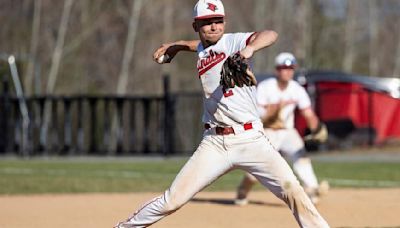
point(228, 130)
point(224, 130)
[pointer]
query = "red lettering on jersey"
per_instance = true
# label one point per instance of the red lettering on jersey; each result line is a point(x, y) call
point(227, 93)
point(212, 59)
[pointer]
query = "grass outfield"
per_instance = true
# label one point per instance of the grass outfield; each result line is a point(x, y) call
point(143, 175)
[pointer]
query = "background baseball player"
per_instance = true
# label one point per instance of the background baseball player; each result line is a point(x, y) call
point(234, 136)
point(277, 98)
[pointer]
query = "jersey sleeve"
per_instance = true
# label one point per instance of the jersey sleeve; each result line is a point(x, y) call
point(239, 41)
point(304, 99)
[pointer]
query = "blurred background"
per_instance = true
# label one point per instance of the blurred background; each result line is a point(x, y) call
point(88, 84)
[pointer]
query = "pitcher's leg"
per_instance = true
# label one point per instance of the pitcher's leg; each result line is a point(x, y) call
point(296, 152)
point(204, 167)
point(244, 188)
point(274, 173)
point(275, 138)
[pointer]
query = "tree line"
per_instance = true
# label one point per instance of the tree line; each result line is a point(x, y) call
point(105, 47)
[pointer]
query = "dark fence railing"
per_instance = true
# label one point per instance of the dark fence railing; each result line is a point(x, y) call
point(101, 125)
point(166, 124)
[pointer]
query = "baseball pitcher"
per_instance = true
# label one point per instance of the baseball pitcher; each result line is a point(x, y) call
point(233, 137)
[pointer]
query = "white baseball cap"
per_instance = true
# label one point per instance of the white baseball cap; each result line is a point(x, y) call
point(208, 9)
point(285, 59)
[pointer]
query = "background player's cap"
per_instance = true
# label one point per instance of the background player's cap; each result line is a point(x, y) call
point(285, 60)
point(208, 9)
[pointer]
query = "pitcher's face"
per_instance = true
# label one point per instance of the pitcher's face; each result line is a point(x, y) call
point(210, 30)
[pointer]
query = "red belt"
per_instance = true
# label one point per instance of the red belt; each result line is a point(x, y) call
point(228, 130)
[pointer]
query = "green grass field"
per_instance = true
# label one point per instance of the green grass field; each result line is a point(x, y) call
point(138, 175)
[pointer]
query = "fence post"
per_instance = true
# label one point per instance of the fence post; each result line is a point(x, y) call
point(53, 142)
point(120, 127)
point(107, 127)
point(168, 117)
point(67, 125)
point(4, 115)
point(93, 124)
point(80, 132)
point(43, 136)
point(132, 130)
point(146, 125)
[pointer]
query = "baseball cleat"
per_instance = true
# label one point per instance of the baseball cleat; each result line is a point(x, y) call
point(323, 188)
point(241, 202)
point(315, 193)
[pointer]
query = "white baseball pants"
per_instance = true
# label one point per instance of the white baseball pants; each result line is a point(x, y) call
point(215, 156)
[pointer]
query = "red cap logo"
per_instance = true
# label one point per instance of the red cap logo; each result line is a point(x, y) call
point(211, 7)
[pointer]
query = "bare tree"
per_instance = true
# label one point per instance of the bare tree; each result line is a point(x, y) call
point(279, 15)
point(373, 37)
point(396, 71)
point(349, 49)
point(260, 7)
point(89, 27)
point(312, 29)
point(55, 64)
point(260, 21)
point(304, 23)
point(129, 46)
point(57, 54)
point(126, 60)
point(33, 47)
point(168, 27)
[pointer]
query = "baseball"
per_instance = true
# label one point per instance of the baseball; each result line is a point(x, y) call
point(162, 59)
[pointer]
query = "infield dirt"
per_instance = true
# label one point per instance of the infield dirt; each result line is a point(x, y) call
point(341, 208)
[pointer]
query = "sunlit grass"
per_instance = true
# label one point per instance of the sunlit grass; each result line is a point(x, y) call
point(130, 175)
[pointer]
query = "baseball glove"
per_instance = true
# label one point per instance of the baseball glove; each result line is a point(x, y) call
point(277, 124)
point(236, 72)
point(274, 122)
point(319, 135)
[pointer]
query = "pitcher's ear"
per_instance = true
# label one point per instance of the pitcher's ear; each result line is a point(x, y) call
point(195, 27)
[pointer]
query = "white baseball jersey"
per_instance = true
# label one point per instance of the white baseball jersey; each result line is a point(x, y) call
point(235, 106)
point(294, 95)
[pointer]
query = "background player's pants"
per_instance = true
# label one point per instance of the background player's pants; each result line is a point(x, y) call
point(218, 154)
point(291, 145)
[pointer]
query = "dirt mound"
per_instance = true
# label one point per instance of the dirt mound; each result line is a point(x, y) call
point(341, 208)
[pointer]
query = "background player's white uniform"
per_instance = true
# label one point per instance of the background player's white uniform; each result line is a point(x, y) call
point(284, 137)
point(247, 148)
point(287, 140)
